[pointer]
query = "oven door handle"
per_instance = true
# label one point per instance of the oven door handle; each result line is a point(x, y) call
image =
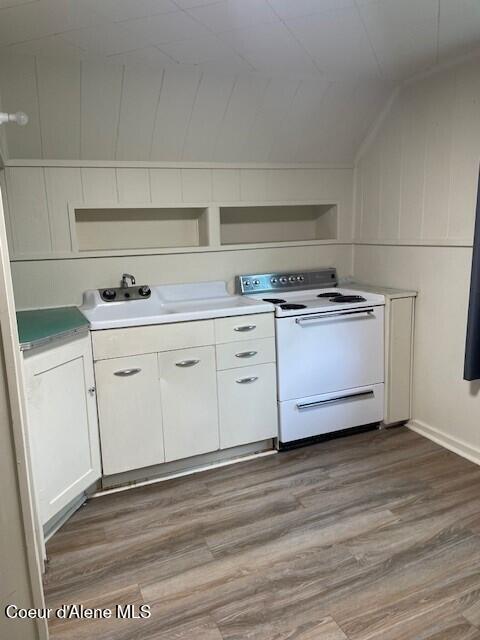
point(302, 406)
point(335, 314)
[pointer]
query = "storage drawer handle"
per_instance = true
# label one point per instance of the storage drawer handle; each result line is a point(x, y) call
point(247, 380)
point(246, 354)
point(186, 363)
point(319, 403)
point(335, 314)
point(123, 373)
point(245, 327)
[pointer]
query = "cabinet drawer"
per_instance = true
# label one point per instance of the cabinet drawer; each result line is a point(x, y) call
point(314, 415)
point(245, 353)
point(258, 325)
point(116, 343)
point(247, 405)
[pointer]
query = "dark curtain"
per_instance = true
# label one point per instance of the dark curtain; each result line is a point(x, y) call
point(472, 346)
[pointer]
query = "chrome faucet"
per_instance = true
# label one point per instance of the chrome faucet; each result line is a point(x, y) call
point(125, 277)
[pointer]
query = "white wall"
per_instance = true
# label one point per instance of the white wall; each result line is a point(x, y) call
point(3, 139)
point(20, 578)
point(48, 271)
point(15, 582)
point(415, 207)
point(61, 282)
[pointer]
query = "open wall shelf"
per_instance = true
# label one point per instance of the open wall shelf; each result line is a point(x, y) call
point(277, 223)
point(113, 229)
point(140, 229)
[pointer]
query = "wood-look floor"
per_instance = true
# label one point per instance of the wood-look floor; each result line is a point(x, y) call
point(372, 536)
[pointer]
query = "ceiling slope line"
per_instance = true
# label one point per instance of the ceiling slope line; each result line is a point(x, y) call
point(370, 42)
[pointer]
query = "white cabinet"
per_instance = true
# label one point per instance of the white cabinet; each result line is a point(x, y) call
point(189, 397)
point(247, 405)
point(399, 327)
point(173, 391)
point(62, 423)
point(130, 413)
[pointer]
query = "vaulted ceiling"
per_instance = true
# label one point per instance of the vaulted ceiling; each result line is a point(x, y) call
point(224, 80)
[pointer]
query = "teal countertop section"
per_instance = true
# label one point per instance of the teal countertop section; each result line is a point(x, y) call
point(38, 327)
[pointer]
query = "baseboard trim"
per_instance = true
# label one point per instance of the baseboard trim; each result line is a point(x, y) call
point(456, 445)
point(53, 525)
point(186, 472)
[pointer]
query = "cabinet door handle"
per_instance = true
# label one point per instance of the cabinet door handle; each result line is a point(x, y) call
point(245, 327)
point(246, 354)
point(123, 373)
point(186, 363)
point(247, 380)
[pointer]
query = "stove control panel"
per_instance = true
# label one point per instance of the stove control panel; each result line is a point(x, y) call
point(265, 282)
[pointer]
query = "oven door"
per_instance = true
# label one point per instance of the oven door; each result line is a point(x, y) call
point(330, 351)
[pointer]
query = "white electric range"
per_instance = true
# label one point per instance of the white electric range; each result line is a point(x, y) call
point(330, 351)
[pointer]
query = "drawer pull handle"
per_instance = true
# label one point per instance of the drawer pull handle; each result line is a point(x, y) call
point(247, 380)
point(246, 354)
point(245, 327)
point(320, 403)
point(124, 373)
point(186, 363)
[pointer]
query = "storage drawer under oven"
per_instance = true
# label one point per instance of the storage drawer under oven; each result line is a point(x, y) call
point(316, 415)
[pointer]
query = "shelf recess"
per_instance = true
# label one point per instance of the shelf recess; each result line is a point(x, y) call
point(110, 229)
point(277, 223)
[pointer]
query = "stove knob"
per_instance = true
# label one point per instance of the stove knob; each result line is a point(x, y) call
point(292, 278)
point(256, 283)
point(274, 281)
point(247, 283)
point(144, 291)
point(109, 294)
point(301, 278)
point(283, 280)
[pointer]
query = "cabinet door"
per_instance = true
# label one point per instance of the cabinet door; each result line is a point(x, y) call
point(248, 405)
point(189, 396)
point(129, 412)
point(399, 350)
point(62, 423)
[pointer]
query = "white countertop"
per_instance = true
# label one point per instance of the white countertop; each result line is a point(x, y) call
point(168, 304)
point(389, 292)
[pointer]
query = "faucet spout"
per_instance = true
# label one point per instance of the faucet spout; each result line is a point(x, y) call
point(125, 278)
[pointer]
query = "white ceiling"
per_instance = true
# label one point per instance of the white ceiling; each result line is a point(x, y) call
point(387, 39)
point(315, 54)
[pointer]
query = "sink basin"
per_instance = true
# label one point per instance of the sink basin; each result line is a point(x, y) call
point(169, 303)
point(194, 306)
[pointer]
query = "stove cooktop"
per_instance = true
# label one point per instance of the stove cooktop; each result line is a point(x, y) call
point(317, 301)
point(292, 306)
point(305, 292)
point(347, 298)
